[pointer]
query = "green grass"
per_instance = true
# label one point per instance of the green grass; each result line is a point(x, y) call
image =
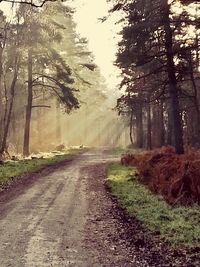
point(17, 168)
point(118, 150)
point(125, 150)
point(179, 225)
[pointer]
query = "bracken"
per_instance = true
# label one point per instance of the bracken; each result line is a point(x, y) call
point(176, 177)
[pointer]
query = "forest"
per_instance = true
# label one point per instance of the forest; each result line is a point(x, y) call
point(159, 60)
point(94, 173)
point(158, 56)
point(47, 72)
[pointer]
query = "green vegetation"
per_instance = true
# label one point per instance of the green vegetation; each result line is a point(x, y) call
point(124, 150)
point(118, 150)
point(16, 168)
point(179, 225)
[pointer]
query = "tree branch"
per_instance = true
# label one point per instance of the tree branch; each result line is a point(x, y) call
point(41, 106)
point(31, 2)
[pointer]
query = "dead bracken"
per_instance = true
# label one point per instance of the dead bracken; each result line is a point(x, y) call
point(176, 177)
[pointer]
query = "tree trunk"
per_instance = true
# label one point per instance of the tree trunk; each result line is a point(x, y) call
point(162, 126)
point(176, 118)
point(196, 100)
point(169, 140)
point(9, 113)
point(131, 128)
point(26, 151)
point(1, 98)
point(139, 126)
point(149, 127)
point(14, 131)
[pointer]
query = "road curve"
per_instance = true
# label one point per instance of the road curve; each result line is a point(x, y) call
point(44, 224)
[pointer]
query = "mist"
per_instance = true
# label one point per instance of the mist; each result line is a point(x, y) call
point(62, 94)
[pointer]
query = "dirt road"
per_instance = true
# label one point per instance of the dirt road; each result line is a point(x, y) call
point(46, 224)
point(67, 218)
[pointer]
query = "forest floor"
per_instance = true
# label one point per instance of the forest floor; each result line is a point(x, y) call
point(65, 216)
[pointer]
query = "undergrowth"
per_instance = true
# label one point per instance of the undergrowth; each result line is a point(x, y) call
point(176, 177)
point(179, 225)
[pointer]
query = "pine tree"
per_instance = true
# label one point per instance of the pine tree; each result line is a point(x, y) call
point(150, 51)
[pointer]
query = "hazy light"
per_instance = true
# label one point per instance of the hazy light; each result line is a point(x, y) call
point(7, 8)
point(102, 37)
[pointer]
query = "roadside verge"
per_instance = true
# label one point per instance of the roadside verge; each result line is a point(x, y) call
point(177, 225)
point(26, 171)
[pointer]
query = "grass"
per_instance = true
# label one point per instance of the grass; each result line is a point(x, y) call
point(16, 168)
point(179, 225)
point(118, 150)
point(125, 150)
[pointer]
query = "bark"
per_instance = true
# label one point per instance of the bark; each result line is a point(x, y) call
point(9, 112)
point(173, 90)
point(139, 126)
point(14, 130)
point(2, 46)
point(131, 128)
point(1, 98)
point(4, 118)
point(26, 148)
point(162, 126)
point(149, 127)
point(196, 101)
point(155, 124)
point(169, 128)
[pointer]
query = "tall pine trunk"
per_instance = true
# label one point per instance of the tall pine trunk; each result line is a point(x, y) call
point(131, 128)
point(173, 90)
point(9, 112)
point(149, 127)
point(196, 100)
point(1, 97)
point(162, 126)
point(26, 148)
point(139, 126)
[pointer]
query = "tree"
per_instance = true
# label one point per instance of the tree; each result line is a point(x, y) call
point(30, 48)
point(9, 67)
point(149, 51)
point(173, 89)
point(34, 3)
point(55, 74)
point(54, 62)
